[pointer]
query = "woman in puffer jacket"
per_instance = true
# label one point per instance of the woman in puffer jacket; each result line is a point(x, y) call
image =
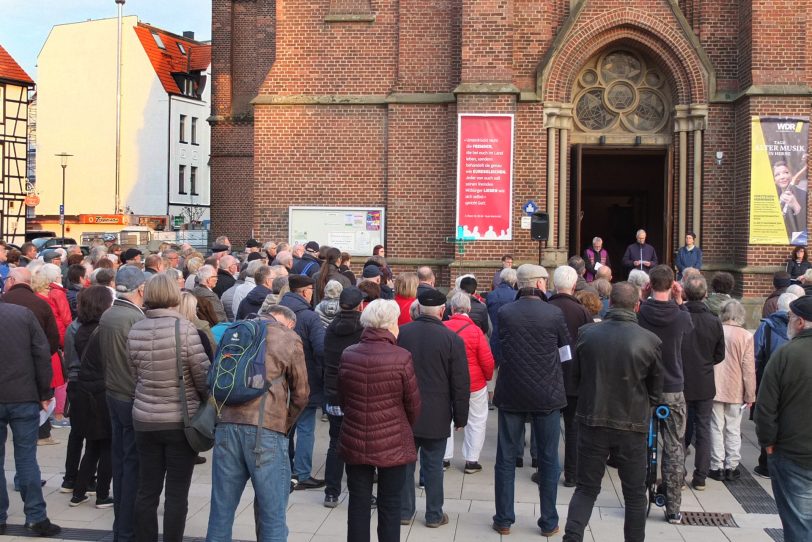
point(163, 451)
point(377, 391)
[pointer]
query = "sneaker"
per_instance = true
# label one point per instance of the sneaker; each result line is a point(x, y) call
point(421, 484)
point(64, 423)
point(490, 406)
point(50, 441)
point(106, 502)
point(76, 501)
point(732, 475)
point(675, 519)
point(330, 501)
point(91, 488)
point(44, 528)
point(472, 467)
point(310, 483)
point(446, 465)
point(698, 484)
point(405, 521)
point(443, 520)
point(501, 529)
point(199, 460)
point(552, 532)
point(324, 417)
point(519, 462)
point(763, 472)
point(66, 487)
point(717, 475)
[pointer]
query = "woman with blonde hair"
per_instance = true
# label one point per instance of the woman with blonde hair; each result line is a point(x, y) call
point(158, 345)
point(405, 294)
point(188, 309)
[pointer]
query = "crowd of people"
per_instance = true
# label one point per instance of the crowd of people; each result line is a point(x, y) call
point(116, 348)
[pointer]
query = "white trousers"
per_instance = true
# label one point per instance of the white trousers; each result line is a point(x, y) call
point(726, 435)
point(474, 430)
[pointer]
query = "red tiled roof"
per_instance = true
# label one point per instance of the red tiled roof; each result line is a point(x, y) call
point(10, 70)
point(170, 59)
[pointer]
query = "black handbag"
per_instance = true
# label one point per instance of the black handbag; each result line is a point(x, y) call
point(199, 430)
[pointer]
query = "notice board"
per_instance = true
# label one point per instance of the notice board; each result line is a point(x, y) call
point(355, 230)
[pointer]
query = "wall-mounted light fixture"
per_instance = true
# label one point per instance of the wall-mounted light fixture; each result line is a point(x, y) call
point(720, 156)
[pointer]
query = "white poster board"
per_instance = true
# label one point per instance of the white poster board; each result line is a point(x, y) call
point(355, 230)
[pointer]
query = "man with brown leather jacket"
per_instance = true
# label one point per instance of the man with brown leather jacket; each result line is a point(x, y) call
point(240, 453)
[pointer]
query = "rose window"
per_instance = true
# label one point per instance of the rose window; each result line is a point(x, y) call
point(620, 91)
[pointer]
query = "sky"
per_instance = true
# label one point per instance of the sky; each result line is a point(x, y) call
point(25, 24)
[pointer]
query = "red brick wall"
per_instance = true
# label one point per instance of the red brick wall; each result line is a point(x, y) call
point(403, 156)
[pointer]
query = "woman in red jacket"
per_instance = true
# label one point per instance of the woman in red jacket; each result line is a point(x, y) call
point(377, 391)
point(405, 294)
point(480, 368)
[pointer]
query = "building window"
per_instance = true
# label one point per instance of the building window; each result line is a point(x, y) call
point(193, 180)
point(182, 49)
point(182, 128)
point(158, 41)
point(194, 130)
point(182, 180)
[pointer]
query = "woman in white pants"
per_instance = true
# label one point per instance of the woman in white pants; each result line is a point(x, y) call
point(480, 368)
point(735, 389)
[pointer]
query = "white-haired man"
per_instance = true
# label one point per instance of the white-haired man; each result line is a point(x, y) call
point(640, 255)
point(575, 315)
point(206, 281)
point(227, 271)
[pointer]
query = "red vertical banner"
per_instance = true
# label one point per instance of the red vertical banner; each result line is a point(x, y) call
point(485, 177)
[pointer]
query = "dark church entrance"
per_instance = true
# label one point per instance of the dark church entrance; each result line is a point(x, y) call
point(615, 192)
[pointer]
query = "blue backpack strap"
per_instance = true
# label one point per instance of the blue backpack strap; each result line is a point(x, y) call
point(308, 266)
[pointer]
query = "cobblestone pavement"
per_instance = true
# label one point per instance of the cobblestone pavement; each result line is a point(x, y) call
point(469, 502)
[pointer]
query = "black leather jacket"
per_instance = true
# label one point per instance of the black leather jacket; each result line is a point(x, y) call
point(619, 373)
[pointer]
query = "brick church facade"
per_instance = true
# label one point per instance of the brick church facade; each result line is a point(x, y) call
point(628, 114)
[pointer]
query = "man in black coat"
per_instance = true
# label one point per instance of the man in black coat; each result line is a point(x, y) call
point(19, 292)
point(441, 367)
point(227, 269)
point(703, 348)
point(575, 315)
point(25, 388)
point(619, 373)
point(533, 335)
point(344, 331)
point(426, 279)
point(311, 331)
point(479, 312)
point(640, 255)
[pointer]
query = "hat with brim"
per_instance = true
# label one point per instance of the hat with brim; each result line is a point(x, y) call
point(299, 281)
point(802, 307)
point(431, 298)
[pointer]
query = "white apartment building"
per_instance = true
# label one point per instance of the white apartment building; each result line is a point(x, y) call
point(165, 101)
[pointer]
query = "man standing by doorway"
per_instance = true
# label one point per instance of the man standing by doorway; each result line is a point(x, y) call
point(640, 255)
point(595, 257)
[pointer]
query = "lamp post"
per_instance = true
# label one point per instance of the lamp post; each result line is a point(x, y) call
point(120, 5)
point(63, 160)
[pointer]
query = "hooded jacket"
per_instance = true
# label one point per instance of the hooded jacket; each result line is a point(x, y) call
point(328, 309)
point(307, 265)
point(344, 331)
point(477, 350)
point(670, 323)
point(311, 331)
point(703, 348)
point(618, 370)
point(252, 302)
point(715, 301)
point(770, 336)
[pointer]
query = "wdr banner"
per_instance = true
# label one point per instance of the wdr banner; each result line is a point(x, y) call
point(779, 181)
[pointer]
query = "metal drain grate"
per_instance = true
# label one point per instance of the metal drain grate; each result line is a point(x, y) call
point(708, 519)
point(753, 498)
point(776, 534)
point(86, 535)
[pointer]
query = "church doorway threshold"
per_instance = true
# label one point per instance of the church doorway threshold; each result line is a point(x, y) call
point(617, 191)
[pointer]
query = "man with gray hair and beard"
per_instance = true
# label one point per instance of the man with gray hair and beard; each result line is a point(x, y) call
point(441, 367)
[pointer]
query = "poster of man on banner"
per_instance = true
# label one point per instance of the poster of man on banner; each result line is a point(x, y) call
point(779, 176)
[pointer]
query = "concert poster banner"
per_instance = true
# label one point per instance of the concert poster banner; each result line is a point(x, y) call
point(779, 181)
point(484, 177)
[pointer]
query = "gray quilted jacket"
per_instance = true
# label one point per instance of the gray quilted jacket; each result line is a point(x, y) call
point(151, 345)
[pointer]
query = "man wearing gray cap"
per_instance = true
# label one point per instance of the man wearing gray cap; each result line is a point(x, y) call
point(114, 327)
point(782, 423)
point(534, 339)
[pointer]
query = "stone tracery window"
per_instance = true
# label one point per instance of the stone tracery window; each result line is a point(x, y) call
point(618, 91)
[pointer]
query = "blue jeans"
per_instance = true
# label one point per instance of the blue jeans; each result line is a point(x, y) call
point(792, 487)
point(431, 465)
point(305, 438)
point(124, 460)
point(234, 463)
point(24, 421)
point(547, 431)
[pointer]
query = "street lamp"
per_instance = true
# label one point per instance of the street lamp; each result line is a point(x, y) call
point(63, 160)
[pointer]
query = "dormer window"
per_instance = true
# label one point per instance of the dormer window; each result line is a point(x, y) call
point(158, 41)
